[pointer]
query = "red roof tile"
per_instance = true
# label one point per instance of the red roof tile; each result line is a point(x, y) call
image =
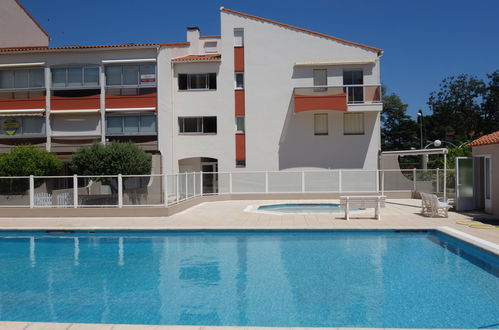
point(374, 49)
point(199, 58)
point(492, 138)
point(45, 48)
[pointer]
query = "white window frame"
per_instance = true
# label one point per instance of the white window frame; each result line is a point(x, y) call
point(82, 69)
point(181, 128)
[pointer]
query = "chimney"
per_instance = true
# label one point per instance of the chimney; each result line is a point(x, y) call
point(193, 38)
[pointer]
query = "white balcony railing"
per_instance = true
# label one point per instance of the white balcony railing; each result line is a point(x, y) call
point(355, 94)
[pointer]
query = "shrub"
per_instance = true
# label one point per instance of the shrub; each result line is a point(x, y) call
point(25, 160)
point(112, 159)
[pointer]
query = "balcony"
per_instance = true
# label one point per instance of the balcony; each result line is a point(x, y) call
point(19, 100)
point(338, 98)
point(131, 98)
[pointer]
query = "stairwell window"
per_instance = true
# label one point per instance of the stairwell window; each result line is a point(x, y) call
point(321, 124)
point(240, 124)
point(353, 124)
point(239, 80)
point(197, 81)
point(238, 37)
point(197, 125)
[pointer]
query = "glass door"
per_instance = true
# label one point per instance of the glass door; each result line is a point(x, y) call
point(464, 183)
point(487, 178)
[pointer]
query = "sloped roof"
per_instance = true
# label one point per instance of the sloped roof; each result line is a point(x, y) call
point(492, 138)
point(44, 48)
point(199, 58)
point(374, 49)
point(32, 18)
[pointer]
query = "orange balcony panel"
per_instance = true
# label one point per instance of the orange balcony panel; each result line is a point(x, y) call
point(131, 101)
point(238, 59)
point(320, 102)
point(240, 146)
point(75, 103)
point(20, 104)
point(239, 98)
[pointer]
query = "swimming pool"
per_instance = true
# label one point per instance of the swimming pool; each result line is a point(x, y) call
point(249, 278)
point(302, 208)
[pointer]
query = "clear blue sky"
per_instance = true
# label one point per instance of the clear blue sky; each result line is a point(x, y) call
point(424, 41)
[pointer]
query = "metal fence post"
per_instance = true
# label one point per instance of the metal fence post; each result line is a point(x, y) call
point(164, 180)
point(186, 185)
point(266, 181)
point(230, 182)
point(414, 179)
point(75, 191)
point(377, 181)
point(438, 182)
point(201, 182)
point(31, 191)
point(302, 181)
point(382, 182)
point(120, 191)
point(178, 186)
point(340, 188)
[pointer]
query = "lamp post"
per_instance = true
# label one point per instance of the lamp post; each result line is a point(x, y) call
point(420, 116)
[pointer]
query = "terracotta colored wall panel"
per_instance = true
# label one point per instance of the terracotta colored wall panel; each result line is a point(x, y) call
point(239, 97)
point(75, 103)
point(135, 101)
point(240, 146)
point(238, 59)
point(320, 102)
point(19, 104)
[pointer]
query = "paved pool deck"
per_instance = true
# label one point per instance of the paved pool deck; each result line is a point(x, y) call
point(398, 214)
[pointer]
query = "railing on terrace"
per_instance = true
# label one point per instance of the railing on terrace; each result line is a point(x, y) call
point(355, 94)
point(162, 190)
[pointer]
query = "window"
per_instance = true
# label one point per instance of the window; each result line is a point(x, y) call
point(210, 47)
point(320, 124)
point(197, 81)
point(354, 77)
point(137, 124)
point(131, 75)
point(205, 125)
point(238, 37)
point(353, 124)
point(241, 163)
point(239, 79)
point(320, 77)
point(22, 126)
point(240, 124)
point(22, 78)
point(75, 77)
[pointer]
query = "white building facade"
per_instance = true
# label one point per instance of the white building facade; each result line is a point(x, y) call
point(261, 96)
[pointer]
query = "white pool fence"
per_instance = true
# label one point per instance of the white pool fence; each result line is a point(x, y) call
point(162, 190)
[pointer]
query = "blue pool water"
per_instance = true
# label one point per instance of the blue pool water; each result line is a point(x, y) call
point(303, 208)
point(283, 278)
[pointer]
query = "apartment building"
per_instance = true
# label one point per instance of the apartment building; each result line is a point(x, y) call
point(262, 95)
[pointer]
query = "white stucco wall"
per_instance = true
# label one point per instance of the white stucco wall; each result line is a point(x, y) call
point(273, 132)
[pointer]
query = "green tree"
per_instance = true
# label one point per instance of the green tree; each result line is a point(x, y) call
point(25, 160)
point(399, 131)
point(112, 159)
point(457, 108)
point(490, 105)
